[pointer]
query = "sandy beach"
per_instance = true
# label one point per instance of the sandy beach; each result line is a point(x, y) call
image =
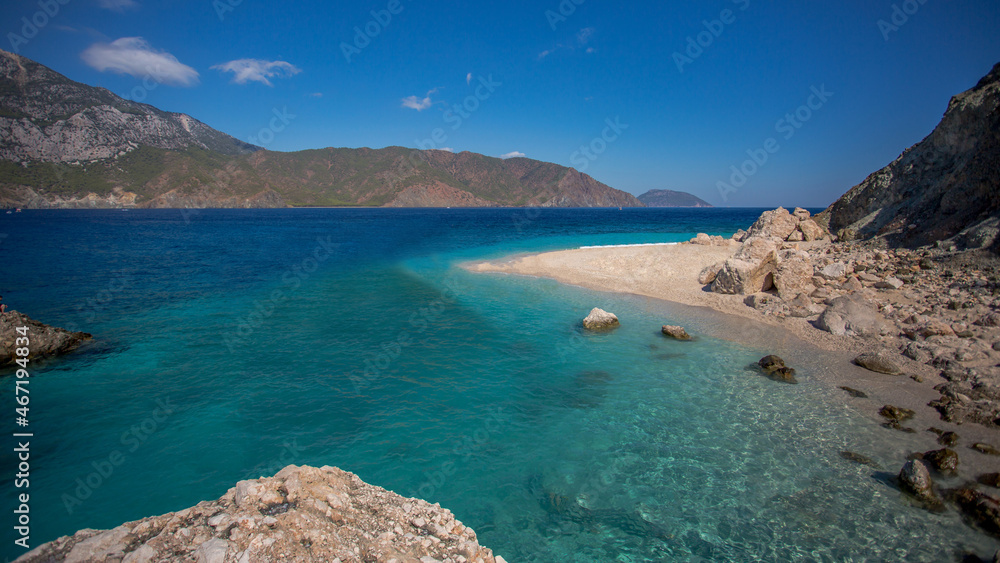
point(670, 272)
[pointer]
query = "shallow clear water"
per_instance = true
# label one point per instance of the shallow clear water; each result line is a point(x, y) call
point(476, 391)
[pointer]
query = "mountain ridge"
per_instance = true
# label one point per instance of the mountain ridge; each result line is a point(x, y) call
point(67, 144)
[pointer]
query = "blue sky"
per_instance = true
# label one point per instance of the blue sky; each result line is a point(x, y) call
point(547, 78)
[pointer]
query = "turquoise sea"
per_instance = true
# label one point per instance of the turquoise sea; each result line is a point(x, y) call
point(231, 343)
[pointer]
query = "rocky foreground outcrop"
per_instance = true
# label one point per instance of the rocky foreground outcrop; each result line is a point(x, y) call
point(301, 514)
point(945, 187)
point(42, 340)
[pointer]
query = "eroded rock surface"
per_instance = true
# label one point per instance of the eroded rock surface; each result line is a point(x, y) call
point(301, 514)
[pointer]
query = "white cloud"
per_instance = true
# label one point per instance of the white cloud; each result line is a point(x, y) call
point(468, 78)
point(583, 36)
point(544, 54)
point(133, 56)
point(256, 70)
point(419, 104)
point(316, 95)
point(514, 154)
point(446, 149)
point(591, 50)
point(117, 5)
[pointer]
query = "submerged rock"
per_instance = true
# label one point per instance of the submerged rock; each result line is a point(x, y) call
point(944, 461)
point(980, 508)
point(896, 413)
point(44, 340)
point(854, 392)
point(859, 459)
point(301, 514)
point(676, 332)
point(775, 368)
point(915, 479)
point(599, 319)
point(948, 439)
point(985, 448)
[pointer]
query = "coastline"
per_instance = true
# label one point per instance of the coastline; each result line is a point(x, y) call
point(670, 273)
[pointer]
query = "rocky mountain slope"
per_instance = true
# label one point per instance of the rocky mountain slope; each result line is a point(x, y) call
point(66, 144)
point(948, 185)
point(670, 198)
point(47, 117)
point(301, 514)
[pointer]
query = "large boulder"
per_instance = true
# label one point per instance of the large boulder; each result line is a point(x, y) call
point(794, 276)
point(599, 319)
point(879, 362)
point(302, 514)
point(757, 248)
point(44, 340)
point(849, 316)
point(676, 332)
point(778, 223)
point(810, 230)
point(708, 273)
point(739, 277)
point(914, 478)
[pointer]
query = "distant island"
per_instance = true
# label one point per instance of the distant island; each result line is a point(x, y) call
point(670, 198)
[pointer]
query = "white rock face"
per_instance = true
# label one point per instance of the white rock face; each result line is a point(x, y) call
point(599, 319)
point(288, 517)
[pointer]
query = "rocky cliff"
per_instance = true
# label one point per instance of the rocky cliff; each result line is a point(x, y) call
point(301, 514)
point(47, 117)
point(670, 198)
point(66, 144)
point(948, 185)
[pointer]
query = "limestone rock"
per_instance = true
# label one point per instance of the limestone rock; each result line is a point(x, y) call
point(702, 239)
point(676, 332)
point(778, 223)
point(599, 319)
point(301, 514)
point(891, 282)
point(810, 230)
point(767, 304)
point(847, 315)
point(757, 248)
point(833, 272)
point(915, 479)
point(879, 362)
point(794, 276)
point(708, 273)
point(45, 341)
point(801, 214)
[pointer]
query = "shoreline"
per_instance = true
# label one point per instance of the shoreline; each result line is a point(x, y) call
point(670, 273)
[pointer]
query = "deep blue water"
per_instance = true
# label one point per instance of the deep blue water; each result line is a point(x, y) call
point(348, 337)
